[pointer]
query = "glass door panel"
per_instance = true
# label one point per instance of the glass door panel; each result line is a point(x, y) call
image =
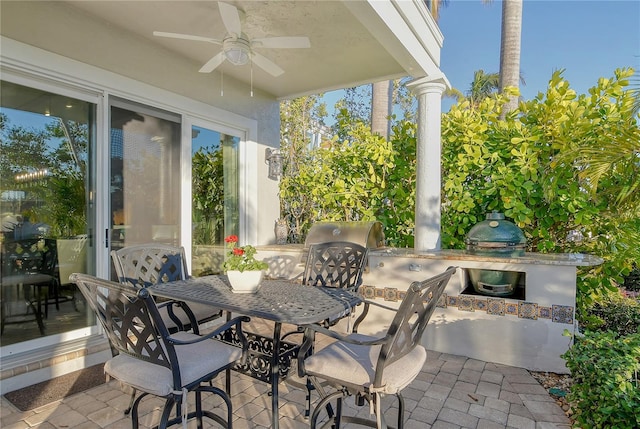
point(145, 175)
point(45, 228)
point(215, 211)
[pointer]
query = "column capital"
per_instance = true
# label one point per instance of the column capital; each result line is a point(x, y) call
point(437, 83)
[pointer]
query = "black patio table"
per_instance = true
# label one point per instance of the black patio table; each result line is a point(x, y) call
point(280, 300)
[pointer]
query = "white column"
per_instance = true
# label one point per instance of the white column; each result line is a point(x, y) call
point(428, 182)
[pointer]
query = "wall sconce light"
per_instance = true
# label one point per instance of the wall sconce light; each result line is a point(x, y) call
point(273, 158)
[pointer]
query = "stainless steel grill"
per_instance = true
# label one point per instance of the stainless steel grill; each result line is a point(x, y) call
point(367, 234)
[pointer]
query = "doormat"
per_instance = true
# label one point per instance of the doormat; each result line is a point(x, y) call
point(57, 388)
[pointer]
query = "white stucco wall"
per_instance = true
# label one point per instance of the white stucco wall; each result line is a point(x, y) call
point(144, 72)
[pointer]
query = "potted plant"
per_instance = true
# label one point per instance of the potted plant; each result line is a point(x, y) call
point(242, 268)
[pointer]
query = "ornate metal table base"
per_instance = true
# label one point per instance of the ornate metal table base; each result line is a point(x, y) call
point(258, 364)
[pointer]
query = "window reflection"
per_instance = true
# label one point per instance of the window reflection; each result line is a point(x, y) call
point(215, 211)
point(145, 175)
point(45, 141)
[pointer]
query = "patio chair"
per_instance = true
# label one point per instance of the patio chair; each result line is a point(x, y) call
point(370, 367)
point(29, 265)
point(72, 258)
point(154, 362)
point(335, 264)
point(149, 264)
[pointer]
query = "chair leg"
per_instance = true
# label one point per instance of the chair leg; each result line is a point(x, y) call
point(37, 309)
point(324, 402)
point(338, 417)
point(315, 384)
point(133, 398)
point(3, 315)
point(400, 410)
point(134, 410)
point(166, 412)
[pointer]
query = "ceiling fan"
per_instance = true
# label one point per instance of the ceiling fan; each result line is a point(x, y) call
point(237, 47)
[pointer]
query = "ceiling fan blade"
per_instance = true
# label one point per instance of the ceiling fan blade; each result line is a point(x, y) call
point(212, 63)
point(281, 42)
point(230, 18)
point(187, 37)
point(266, 64)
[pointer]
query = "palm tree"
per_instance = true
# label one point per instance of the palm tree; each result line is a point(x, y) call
point(510, 49)
point(382, 92)
point(483, 85)
point(381, 107)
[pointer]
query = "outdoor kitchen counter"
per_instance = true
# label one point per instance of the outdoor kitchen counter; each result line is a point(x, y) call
point(575, 259)
point(524, 329)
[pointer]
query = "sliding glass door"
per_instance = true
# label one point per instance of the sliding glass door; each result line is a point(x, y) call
point(46, 227)
point(145, 175)
point(52, 206)
point(215, 193)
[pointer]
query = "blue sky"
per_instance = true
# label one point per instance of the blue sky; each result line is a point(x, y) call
point(589, 39)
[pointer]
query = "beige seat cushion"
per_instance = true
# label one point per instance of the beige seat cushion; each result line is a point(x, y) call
point(196, 360)
point(355, 365)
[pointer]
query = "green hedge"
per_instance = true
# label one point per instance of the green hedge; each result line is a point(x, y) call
point(606, 389)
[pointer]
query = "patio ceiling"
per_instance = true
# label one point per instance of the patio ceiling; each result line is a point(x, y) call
point(352, 42)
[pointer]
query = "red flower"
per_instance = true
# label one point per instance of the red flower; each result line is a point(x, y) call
point(231, 239)
point(238, 251)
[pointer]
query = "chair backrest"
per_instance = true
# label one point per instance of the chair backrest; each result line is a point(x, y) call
point(335, 264)
point(129, 317)
point(30, 256)
point(410, 321)
point(72, 256)
point(148, 264)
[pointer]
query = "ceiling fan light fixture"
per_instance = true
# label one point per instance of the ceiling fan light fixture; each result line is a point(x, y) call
point(237, 51)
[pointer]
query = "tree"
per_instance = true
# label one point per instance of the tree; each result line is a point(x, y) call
point(298, 117)
point(541, 167)
point(510, 50)
point(59, 152)
point(482, 86)
point(381, 97)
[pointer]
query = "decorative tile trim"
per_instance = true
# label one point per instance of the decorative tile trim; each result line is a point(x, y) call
point(465, 303)
point(511, 308)
point(490, 305)
point(544, 312)
point(495, 306)
point(528, 310)
point(480, 304)
point(452, 301)
point(562, 314)
point(390, 294)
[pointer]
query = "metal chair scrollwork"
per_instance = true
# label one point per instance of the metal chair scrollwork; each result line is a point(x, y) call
point(370, 367)
point(154, 362)
point(149, 264)
point(335, 264)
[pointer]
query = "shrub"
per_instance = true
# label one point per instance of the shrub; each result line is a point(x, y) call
point(632, 281)
point(616, 314)
point(606, 391)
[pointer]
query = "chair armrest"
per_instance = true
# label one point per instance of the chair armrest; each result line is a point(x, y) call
point(309, 339)
point(365, 311)
point(377, 304)
point(341, 337)
point(171, 304)
point(237, 322)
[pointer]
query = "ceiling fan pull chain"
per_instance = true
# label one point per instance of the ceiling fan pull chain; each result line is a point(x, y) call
point(251, 78)
point(221, 83)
